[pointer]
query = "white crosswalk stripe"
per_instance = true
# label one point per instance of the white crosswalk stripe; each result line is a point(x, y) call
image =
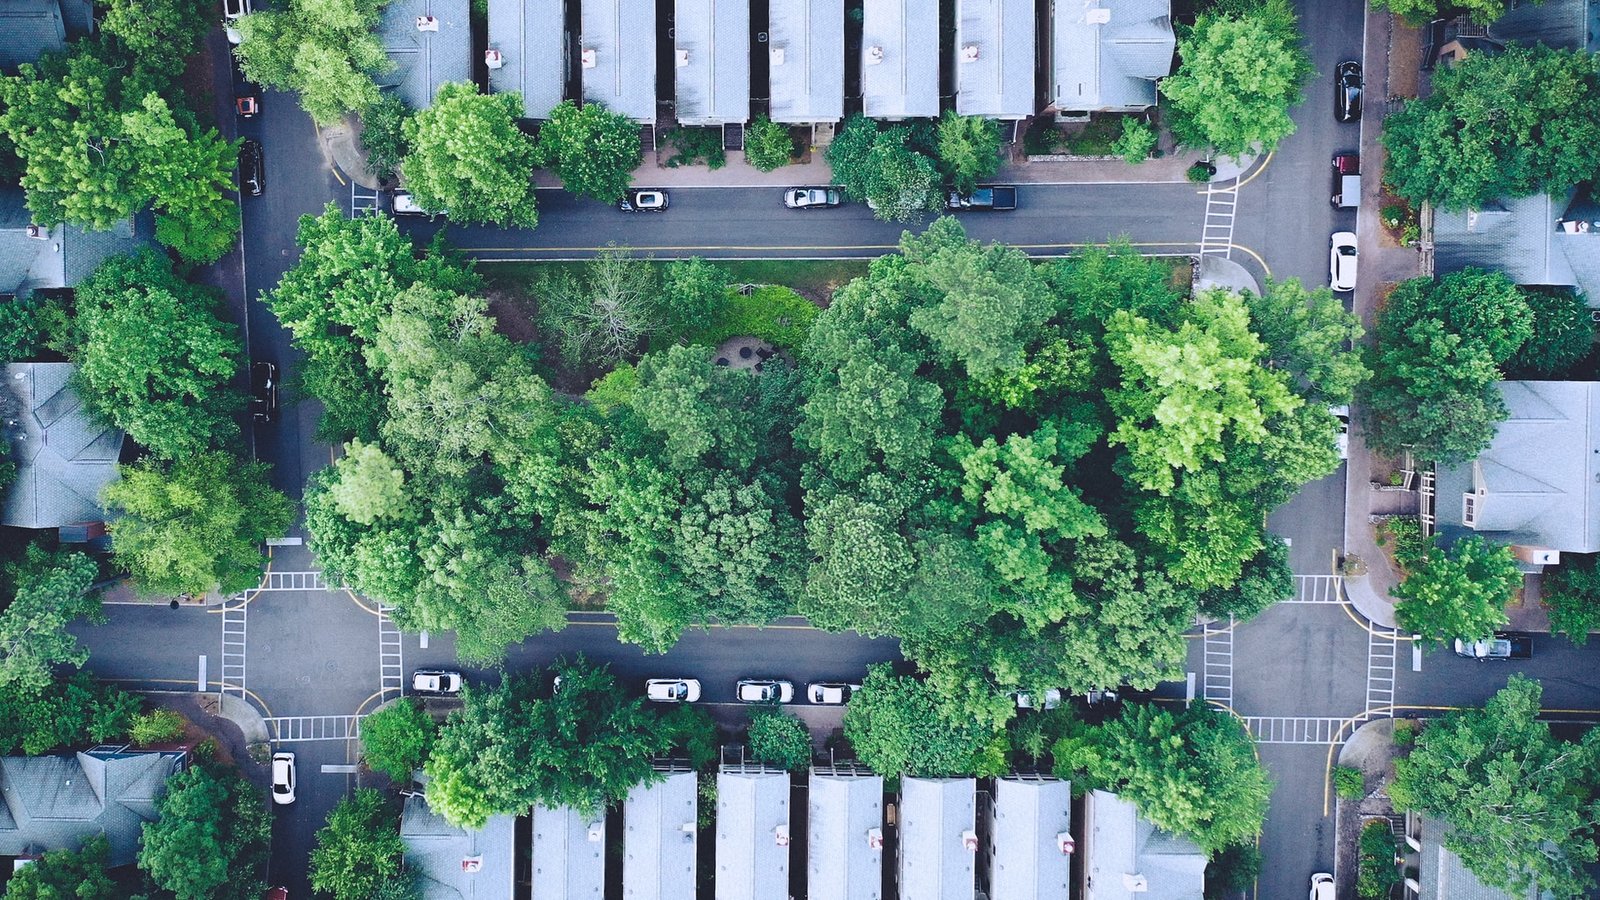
point(1217, 684)
point(1293, 729)
point(391, 664)
point(1216, 237)
point(291, 729)
point(1317, 589)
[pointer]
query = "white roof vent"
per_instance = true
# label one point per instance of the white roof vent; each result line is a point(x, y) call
point(969, 840)
point(472, 864)
point(874, 838)
point(969, 53)
point(780, 835)
point(688, 832)
point(874, 55)
point(1065, 843)
point(1135, 884)
point(427, 23)
point(683, 58)
point(1099, 17)
point(597, 832)
point(776, 55)
point(589, 57)
point(38, 232)
point(493, 59)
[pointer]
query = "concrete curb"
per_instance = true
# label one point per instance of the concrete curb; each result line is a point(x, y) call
point(246, 716)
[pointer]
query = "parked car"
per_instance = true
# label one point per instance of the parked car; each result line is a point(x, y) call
point(756, 690)
point(436, 681)
point(987, 196)
point(283, 777)
point(247, 106)
point(276, 893)
point(1346, 181)
point(403, 204)
point(1322, 887)
point(644, 200)
point(232, 10)
point(1052, 699)
point(1342, 415)
point(830, 693)
point(672, 690)
point(811, 197)
point(1500, 645)
point(252, 169)
point(1347, 91)
point(1342, 261)
point(263, 391)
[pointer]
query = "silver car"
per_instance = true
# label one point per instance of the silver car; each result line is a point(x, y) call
point(672, 690)
point(830, 693)
point(811, 197)
point(757, 690)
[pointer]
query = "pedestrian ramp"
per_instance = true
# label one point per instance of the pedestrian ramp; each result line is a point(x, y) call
point(296, 729)
point(1294, 729)
point(1317, 589)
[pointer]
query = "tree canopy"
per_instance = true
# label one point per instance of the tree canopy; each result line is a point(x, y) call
point(1461, 593)
point(898, 726)
point(79, 874)
point(327, 51)
point(1420, 12)
point(466, 157)
point(591, 149)
point(211, 837)
point(360, 849)
point(52, 590)
point(397, 739)
point(881, 168)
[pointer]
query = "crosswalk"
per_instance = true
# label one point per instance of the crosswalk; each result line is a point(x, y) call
point(391, 664)
point(292, 729)
point(1217, 684)
point(1381, 653)
point(293, 581)
point(1216, 238)
point(1294, 729)
point(233, 649)
point(1317, 589)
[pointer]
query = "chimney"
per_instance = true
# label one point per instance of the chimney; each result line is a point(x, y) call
point(1135, 884)
point(1098, 17)
point(597, 832)
point(874, 55)
point(969, 53)
point(1065, 843)
point(969, 840)
point(427, 23)
point(776, 55)
point(1538, 556)
point(588, 57)
point(780, 835)
point(493, 59)
point(682, 58)
point(874, 838)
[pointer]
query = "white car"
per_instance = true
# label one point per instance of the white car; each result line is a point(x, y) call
point(1342, 261)
point(283, 778)
point(1342, 441)
point(830, 693)
point(672, 690)
point(755, 690)
point(404, 204)
point(435, 681)
point(811, 198)
point(1322, 886)
point(231, 11)
point(1052, 699)
point(644, 201)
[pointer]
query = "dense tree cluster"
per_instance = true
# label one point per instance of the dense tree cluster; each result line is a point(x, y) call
point(593, 150)
point(211, 837)
point(1420, 12)
point(324, 50)
point(359, 853)
point(50, 591)
point(1460, 593)
point(397, 739)
point(466, 157)
point(901, 170)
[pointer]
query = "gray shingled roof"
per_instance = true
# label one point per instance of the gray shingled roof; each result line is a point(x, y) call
point(64, 256)
point(64, 457)
point(28, 30)
point(1538, 240)
point(569, 853)
point(1025, 816)
point(57, 802)
point(533, 50)
point(1536, 484)
point(1107, 54)
point(752, 834)
point(438, 850)
point(934, 862)
point(1443, 877)
point(994, 58)
point(843, 806)
point(658, 822)
point(619, 38)
point(1119, 843)
point(711, 61)
point(424, 60)
point(904, 82)
point(805, 46)
point(1562, 24)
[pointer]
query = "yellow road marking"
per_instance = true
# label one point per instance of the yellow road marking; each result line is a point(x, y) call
point(190, 682)
point(1262, 168)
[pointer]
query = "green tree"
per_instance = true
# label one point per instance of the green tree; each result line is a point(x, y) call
point(211, 836)
point(1420, 12)
point(1137, 141)
point(157, 726)
point(52, 590)
point(1242, 69)
point(325, 50)
point(1307, 334)
point(1532, 814)
point(468, 158)
point(779, 739)
point(969, 149)
point(1266, 579)
point(1498, 125)
point(1377, 875)
point(1563, 332)
point(369, 486)
point(767, 144)
point(59, 874)
point(397, 739)
point(154, 358)
point(605, 315)
point(591, 149)
point(189, 173)
point(693, 291)
point(1571, 595)
point(359, 849)
point(157, 33)
point(195, 525)
point(897, 725)
point(697, 407)
point(1459, 594)
point(593, 744)
point(383, 134)
point(70, 712)
point(881, 168)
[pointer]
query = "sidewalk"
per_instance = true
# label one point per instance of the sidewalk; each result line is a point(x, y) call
point(1387, 41)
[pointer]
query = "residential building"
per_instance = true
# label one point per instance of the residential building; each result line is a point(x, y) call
point(1545, 239)
point(994, 58)
point(1106, 55)
point(528, 53)
point(1442, 876)
point(938, 838)
point(569, 854)
point(37, 257)
point(1029, 820)
point(64, 456)
point(659, 828)
point(1537, 485)
point(31, 28)
point(430, 44)
point(752, 833)
point(711, 61)
point(58, 802)
point(458, 863)
point(1560, 24)
point(845, 834)
point(900, 59)
point(617, 56)
point(805, 56)
point(1125, 857)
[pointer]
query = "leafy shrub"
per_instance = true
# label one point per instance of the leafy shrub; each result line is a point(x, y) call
point(23, 328)
point(694, 145)
point(156, 726)
point(1349, 783)
point(693, 734)
point(779, 739)
point(1378, 873)
point(706, 806)
point(396, 740)
point(1200, 172)
point(1405, 732)
point(1393, 215)
point(767, 145)
point(1403, 536)
point(383, 135)
point(1137, 141)
point(773, 313)
point(72, 712)
point(1231, 870)
point(1572, 597)
point(1563, 332)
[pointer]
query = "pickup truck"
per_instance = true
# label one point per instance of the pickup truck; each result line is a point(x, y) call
point(987, 196)
point(1501, 645)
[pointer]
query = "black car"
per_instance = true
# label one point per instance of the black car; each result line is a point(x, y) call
point(1347, 91)
point(252, 170)
point(263, 391)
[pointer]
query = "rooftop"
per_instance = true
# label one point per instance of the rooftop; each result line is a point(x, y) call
point(752, 834)
point(1128, 858)
point(457, 863)
point(31, 28)
point(618, 56)
point(936, 817)
point(845, 808)
point(533, 54)
point(994, 58)
point(59, 256)
point(1538, 240)
point(1560, 24)
point(1107, 54)
point(659, 822)
point(425, 58)
point(57, 802)
point(712, 61)
point(63, 456)
point(900, 59)
point(1443, 877)
point(569, 853)
point(805, 50)
point(1027, 815)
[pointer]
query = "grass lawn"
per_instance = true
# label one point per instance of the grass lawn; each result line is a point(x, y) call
point(814, 278)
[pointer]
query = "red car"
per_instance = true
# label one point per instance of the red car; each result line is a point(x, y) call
point(246, 106)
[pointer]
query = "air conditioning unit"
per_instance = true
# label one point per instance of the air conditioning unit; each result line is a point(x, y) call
point(682, 58)
point(427, 23)
point(588, 57)
point(472, 864)
point(1135, 884)
point(780, 835)
point(597, 832)
point(874, 838)
point(38, 232)
point(1065, 843)
point(776, 55)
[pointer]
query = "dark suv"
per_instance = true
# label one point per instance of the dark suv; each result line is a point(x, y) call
point(1347, 91)
point(252, 170)
point(263, 391)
